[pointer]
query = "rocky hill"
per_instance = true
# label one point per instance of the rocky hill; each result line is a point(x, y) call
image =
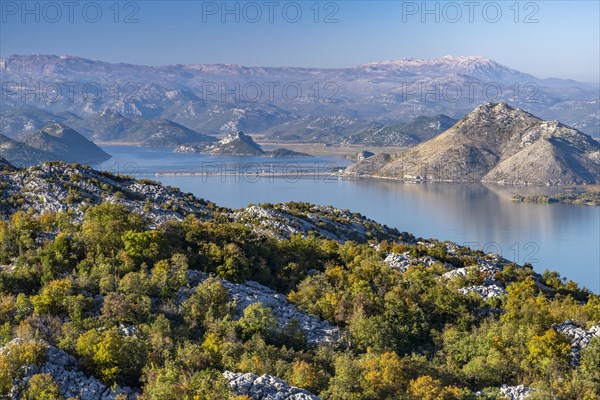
point(53, 187)
point(500, 144)
point(284, 220)
point(67, 187)
point(22, 155)
point(65, 144)
point(238, 144)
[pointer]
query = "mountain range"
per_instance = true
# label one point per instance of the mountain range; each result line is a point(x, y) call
point(221, 99)
point(104, 126)
point(496, 143)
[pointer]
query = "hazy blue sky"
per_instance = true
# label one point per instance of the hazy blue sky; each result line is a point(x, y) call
point(564, 42)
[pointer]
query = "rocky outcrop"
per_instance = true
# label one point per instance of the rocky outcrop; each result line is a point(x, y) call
point(285, 220)
point(238, 144)
point(315, 330)
point(487, 269)
point(265, 387)
point(73, 383)
point(363, 155)
point(519, 392)
point(500, 144)
point(53, 187)
point(485, 292)
point(401, 261)
point(577, 336)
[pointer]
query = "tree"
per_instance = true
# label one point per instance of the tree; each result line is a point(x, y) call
point(383, 375)
point(172, 383)
point(209, 299)
point(119, 307)
point(42, 387)
point(306, 376)
point(160, 338)
point(17, 355)
point(258, 319)
point(549, 354)
point(371, 333)
point(590, 363)
point(144, 246)
point(169, 275)
point(104, 225)
point(347, 383)
point(112, 357)
point(52, 298)
point(235, 266)
point(428, 388)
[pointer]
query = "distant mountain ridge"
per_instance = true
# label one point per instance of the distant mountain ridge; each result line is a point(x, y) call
point(384, 91)
point(500, 144)
point(407, 134)
point(105, 126)
point(111, 126)
point(54, 142)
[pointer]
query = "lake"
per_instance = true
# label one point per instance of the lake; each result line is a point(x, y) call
point(560, 237)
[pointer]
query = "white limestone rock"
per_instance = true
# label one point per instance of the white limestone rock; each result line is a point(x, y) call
point(577, 336)
point(316, 330)
point(265, 387)
point(519, 392)
point(73, 383)
point(485, 292)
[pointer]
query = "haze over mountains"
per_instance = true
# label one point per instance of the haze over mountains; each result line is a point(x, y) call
point(500, 144)
point(214, 99)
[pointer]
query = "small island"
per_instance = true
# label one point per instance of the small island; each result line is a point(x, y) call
point(238, 144)
point(589, 198)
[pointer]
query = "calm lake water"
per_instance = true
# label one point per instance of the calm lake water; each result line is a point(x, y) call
point(560, 237)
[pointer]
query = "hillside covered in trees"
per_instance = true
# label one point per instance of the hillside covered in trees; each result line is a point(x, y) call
point(136, 290)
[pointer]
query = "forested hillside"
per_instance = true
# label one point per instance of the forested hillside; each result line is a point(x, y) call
point(103, 297)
